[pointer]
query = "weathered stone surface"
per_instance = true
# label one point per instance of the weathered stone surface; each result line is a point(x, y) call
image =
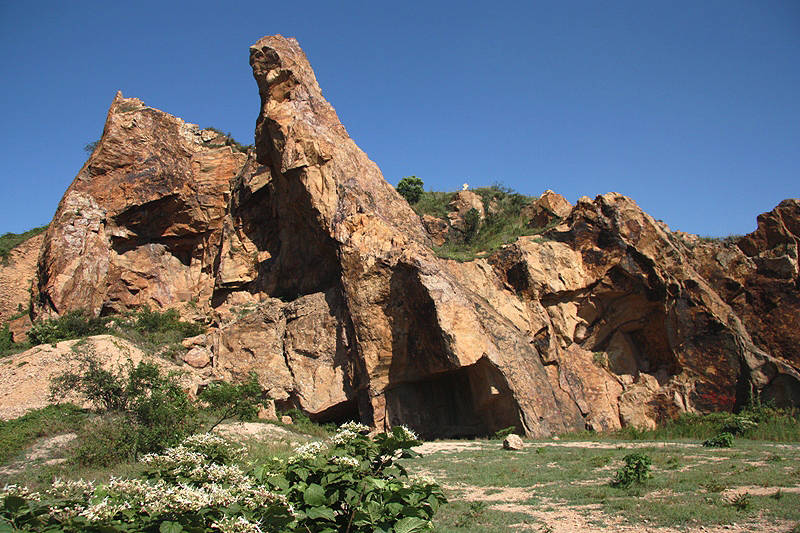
point(198, 357)
point(19, 328)
point(142, 222)
point(757, 276)
point(437, 229)
point(461, 204)
point(513, 442)
point(16, 277)
point(549, 207)
point(320, 278)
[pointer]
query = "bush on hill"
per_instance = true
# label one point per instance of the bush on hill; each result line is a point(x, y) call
point(504, 222)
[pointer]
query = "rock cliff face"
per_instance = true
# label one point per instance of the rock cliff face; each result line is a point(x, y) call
point(314, 273)
point(142, 222)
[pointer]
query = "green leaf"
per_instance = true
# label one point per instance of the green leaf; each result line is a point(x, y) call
point(170, 527)
point(315, 495)
point(14, 503)
point(316, 513)
point(410, 524)
point(394, 508)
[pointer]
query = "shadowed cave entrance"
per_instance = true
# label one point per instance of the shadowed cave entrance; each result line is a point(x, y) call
point(472, 401)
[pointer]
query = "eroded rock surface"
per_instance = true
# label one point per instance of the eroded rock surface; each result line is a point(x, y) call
point(317, 276)
point(142, 222)
point(16, 278)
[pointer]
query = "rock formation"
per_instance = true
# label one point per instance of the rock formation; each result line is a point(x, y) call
point(314, 273)
point(16, 276)
point(142, 222)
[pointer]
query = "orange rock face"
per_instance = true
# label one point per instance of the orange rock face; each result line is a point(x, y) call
point(317, 276)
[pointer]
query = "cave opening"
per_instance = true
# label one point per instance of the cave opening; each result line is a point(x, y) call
point(468, 402)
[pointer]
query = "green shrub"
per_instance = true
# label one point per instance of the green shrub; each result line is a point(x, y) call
point(229, 141)
point(720, 440)
point(151, 330)
point(500, 434)
point(411, 188)
point(227, 400)
point(355, 485)
point(6, 340)
point(150, 411)
point(72, 325)
point(635, 470)
point(503, 222)
point(106, 441)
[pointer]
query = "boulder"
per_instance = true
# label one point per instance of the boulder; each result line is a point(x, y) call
point(549, 207)
point(198, 357)
point(513, 442)
point(461, 204)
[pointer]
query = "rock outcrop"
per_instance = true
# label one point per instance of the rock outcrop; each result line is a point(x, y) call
point(142, 222)
point(316, 275)
point(16, 278)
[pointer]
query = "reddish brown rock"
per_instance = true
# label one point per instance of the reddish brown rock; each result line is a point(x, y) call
point(142, 222)
point(16, 278)
point(548, 208)
point(462, 203)
point(320, 278)
point(437, 229)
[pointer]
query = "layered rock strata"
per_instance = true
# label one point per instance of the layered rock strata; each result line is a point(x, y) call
point(315, 274)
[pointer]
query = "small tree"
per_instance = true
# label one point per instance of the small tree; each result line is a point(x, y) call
point(143, 405)
point(411, 188)
point(226, 400)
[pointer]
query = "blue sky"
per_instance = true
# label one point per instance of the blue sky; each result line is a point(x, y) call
point(690, 108)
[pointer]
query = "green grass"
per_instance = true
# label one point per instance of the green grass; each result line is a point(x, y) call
point(19, 433)
point(9, 241)
point(776, 425)
point(678, 494)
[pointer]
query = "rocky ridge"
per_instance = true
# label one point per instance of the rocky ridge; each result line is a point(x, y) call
point(313, 272)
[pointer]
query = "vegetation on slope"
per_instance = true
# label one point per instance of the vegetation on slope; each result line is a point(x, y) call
point(9, 241)
point(504, 220)
point(152, 330)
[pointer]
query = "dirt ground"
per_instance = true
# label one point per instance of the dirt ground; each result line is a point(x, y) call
point(585, 518)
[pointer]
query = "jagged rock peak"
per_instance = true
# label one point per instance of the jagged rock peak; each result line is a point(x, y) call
point(314, 273)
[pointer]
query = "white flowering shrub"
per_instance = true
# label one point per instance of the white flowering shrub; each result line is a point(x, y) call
point(352, 484)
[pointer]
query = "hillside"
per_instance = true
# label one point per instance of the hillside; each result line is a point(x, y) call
point(306, 267)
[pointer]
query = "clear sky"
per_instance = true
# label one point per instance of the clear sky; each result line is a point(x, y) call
point(690, 108)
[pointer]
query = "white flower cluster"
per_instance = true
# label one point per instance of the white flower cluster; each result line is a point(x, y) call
point(355, 426)
point(352, 462)
point(344, 436)
point(20, 491)
point(409, 435)
point(348, 432)
point(104, 510)
point(307, 451)
point(159, 497)
point(240, 524)
point(184, 462)
point(71, 490)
